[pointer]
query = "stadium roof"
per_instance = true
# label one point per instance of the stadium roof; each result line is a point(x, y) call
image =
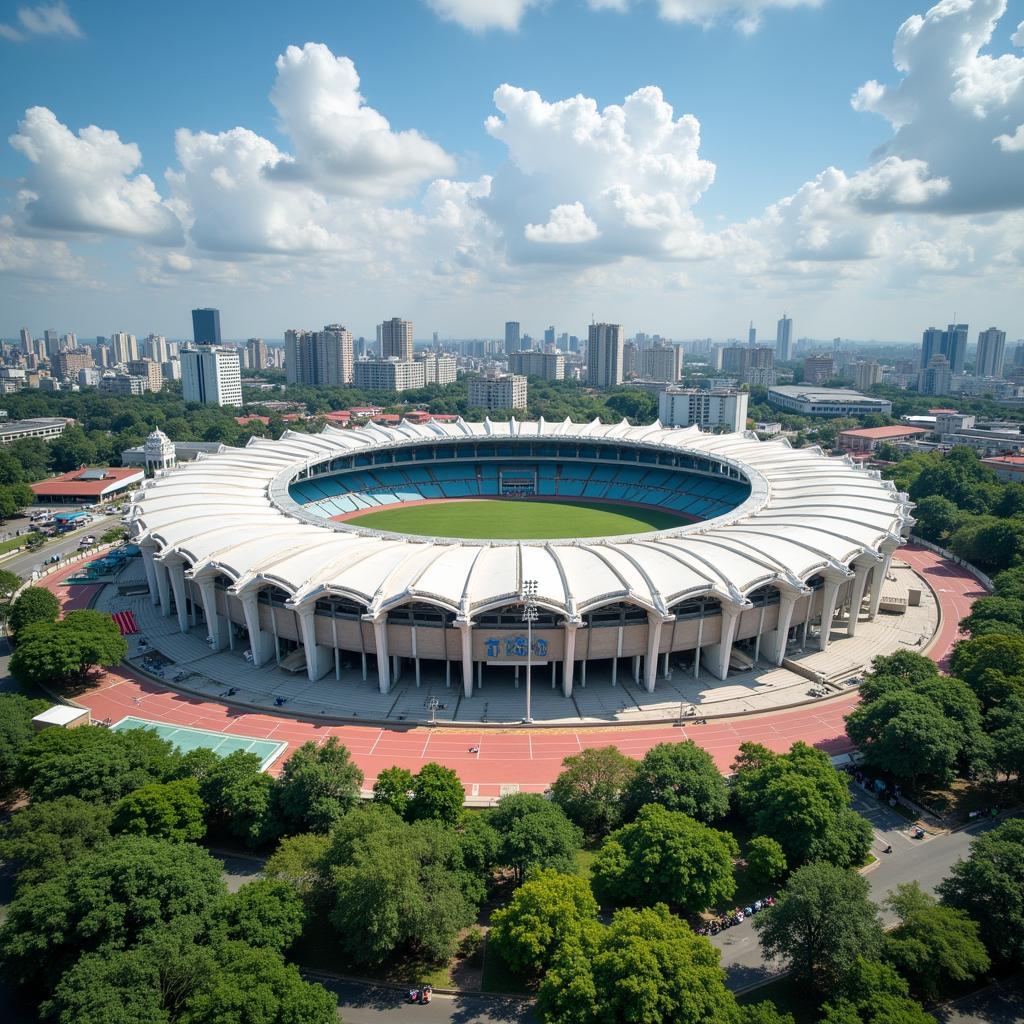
point(230, 514)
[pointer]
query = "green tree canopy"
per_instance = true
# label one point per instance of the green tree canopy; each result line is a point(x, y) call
point(166, 810)
point(937, 518)
point(873, 993)
point(64, 653)
point(33, 604)
point(546, 912)
point(392, 787)
point(16, 732)
point(680, 777)
point(437, 794)
point(766, 860)
point(319, 784)
point(238, 796)
point(992, 666)
point(533, 832)
point(591, 786)
point(1006, 735)
point(265, 913)
point(301, 863)
point(666, 857)
point(821, 922)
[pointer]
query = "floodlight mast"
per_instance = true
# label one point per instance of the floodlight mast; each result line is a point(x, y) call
point(528, 597)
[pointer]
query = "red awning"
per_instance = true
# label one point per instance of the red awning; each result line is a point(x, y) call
point(125, 622)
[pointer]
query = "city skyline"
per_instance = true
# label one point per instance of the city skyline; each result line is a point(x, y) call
point(655, 192)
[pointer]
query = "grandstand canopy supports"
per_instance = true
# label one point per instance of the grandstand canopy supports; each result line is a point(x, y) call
point(216, 625)
point(380, 637)
point(319, 657)
point(569, 658)
point(261, 643)
point(862, 569)
point(830, 596)
point(466, 635)
point(717, 655)
point(773, 642)
point(887, 547)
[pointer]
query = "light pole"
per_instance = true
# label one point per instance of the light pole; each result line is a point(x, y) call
point(528, 596)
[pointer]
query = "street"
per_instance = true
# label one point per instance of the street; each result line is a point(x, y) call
point(24, 562)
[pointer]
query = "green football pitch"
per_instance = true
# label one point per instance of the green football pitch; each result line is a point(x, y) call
point(517, 520)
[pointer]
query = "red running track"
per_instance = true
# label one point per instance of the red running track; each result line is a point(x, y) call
point(529, 759)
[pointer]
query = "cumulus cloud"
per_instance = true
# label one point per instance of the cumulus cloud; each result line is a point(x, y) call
point(87, 182)
point(37, 259)
point(614, 182)
point(41, 20)
point(954, 108)
point(481, 15)
point(747, 15)
point(339, 141)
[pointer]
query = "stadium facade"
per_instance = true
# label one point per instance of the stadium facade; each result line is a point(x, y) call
point(774, 543)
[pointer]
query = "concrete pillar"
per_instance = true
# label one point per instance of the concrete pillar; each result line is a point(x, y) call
point(569, 657)
point(828, 608)
point(636, 669)
point(654, 624)
point(878, 579)
point(318, 656)
point(466, 635)
point(380, 637)
point(773, 643)
point(163, 588)
point(261, 643)
point(148, 556)
point(216, 625)
point(177, 573)
point(860, 580)
point(717, 655)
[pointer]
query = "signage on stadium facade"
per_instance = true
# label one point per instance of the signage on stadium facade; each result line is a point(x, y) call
point(514, 647)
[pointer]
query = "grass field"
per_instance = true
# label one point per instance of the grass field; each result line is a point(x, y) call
point(519, 520)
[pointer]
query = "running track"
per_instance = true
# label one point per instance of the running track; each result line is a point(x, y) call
point(529, 759)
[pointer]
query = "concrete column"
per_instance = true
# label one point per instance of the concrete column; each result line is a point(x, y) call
point(261, 643)
point(878, 579)
point(717, 655)
point(773, 643)
point(216, 625)
point(860, 580)
point(163, 588)
point(828, 608)
point(148, 556)
point(466, 635)
point(177, 573)
point(654, 624)
point(380, 637)
point(318, 656)
point(569, 657)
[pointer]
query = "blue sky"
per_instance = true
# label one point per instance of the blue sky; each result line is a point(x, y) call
point(904, 236)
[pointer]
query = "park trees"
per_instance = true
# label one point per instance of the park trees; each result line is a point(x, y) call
point(533, 832)
point(237, 794)
point(319, 784)
point(548, 911)
point(821, 922)
point(437, 794)
point(680, 777)
point(992, 666)
point(64, 653)
point(166, 810)
point(591, 787)
point(873, 993)
point(666, 857)
point(33, 604)
point(265, 913)
point(393, 787)
point(766, 860)
point(938, 518)
point(16, 732)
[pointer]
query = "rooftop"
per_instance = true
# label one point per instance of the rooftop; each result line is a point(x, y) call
point(87, 483)
point(881, 433)
point(811, 393)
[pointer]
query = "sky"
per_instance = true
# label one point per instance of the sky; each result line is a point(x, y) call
point(682, 167)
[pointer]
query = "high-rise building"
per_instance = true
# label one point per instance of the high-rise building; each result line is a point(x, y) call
point(396, 339)
point(157, 349)
point(438, 369)
point(26, 340)
point(604, 355)
point(511, 336)
point(150, 370)
point(500, 391)
point(124, 347)
point(319, 358)
point(937, 377)
point(211, 375)
point(52, 341)
point(819, 368)
point(866, 374)
point(660, 363)
point(549, 365)
point(951, 343)
point(206, 326)
point(257, 353)
point(783, 338)
point(66, 365)
point(549, 338)
point(687, 407)
point(390, 374)
point(752, 335)
point(991, 349)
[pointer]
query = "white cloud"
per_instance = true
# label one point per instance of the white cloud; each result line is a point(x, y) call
point(745, 14)
point(42, 20)
point(339, 142)
point(87, 182)
point(567, 225)
point(1012, 143)
point(481, 15)
point(37, 258)
point(1018, 37)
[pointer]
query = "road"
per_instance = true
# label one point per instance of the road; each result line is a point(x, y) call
point(25, 561)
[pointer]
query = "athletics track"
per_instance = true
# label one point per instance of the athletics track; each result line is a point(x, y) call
point(527, 759)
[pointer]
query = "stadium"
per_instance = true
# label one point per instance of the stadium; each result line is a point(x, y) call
point(386, 553)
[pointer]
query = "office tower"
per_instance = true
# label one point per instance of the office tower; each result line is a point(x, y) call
point(549, 365)
point(500, 391)
point(124, 347)
point(70, 340)
point(206, 326)
point(866, 375)
point(563, 341)
point(991, 346)
point(211, 376)
point(26, 340)
point(157, 348)
point(52, 341)
point(818, 369)
point(752, 335)
point(171, 370)
point(257, 353)
point(511, 336)
point(783, 338)
point(719, 407)
point(104, 357)
point(549, 338)
point(629, 357)
point(932, 344)
point(956, 347)
point(396, 339)
point(604, 355)
point(937, 377)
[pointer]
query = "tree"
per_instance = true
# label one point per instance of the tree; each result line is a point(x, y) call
point(9, 583)
point(873, 993)
point(764, 1012)
point(301, 862)
point(766, 860)
point(933, 945)
point(48, 835)
point(907, 735)
point(65, 653)
point(665, 857)
point(1006, 732)
point(989, 542)
point(114, 894)
point(94, 764)
point(393, 788)
point(167, 810)
point(989, 887)
point(647, 965)
point(680, 777)
point(532, 832)
point(546, 912)
point(318, 786)
point(16, 732)
point(905, 666)
point(821, 922)
point(265, 913)
point(994, 613)
point(33, 604)
point(937, 518)
point(437, 794)
point(991, 666)
point(591, 786)
point(238, 794)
